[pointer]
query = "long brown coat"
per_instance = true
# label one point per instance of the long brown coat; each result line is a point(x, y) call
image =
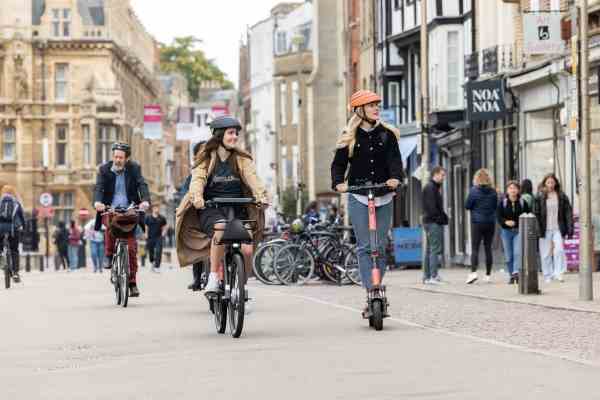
point(193, 245)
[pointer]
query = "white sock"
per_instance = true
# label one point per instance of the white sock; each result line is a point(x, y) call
point(213, 275)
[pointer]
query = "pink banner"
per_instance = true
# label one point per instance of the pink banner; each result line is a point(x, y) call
point(152, 113)
point(219, 111)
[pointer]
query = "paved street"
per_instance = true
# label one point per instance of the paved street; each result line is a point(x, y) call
point(64, 339)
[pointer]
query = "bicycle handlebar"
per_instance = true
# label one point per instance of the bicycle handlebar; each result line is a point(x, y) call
point(360, 188)
point(230, 201)
point(121, 210)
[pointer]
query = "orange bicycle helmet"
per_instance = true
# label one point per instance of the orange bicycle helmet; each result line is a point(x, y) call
point(363, 97)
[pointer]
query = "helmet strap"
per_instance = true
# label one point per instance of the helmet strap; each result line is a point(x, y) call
point(363, 115)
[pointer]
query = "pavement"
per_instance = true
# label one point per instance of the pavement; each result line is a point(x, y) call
point(63, 338)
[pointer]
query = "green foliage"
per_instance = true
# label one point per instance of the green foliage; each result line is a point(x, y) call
point(288, 202)
point(184, 56)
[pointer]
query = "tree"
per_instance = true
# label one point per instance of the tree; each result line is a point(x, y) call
point(184, 56)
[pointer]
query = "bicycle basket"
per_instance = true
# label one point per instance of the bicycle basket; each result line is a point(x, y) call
point(123, 225)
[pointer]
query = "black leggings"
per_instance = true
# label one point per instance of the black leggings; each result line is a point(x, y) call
point(483, 232)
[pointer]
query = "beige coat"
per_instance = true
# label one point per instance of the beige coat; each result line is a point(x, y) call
point(192, 245)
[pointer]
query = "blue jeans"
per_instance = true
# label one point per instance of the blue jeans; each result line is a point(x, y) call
point(359, 216)
point(97, 249)
point(511, 241)
point(435, 238)
point(73, 257)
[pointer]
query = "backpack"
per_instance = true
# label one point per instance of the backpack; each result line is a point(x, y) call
point(521, 202)
point(8, 210)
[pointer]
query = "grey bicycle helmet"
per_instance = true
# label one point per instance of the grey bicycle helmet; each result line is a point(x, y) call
point(123, 147)
point(225, 122)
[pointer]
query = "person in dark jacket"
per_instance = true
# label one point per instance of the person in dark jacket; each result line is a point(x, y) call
point(311, 214)
point(482, 202)
point(12, 221)
point(61, 241)
point(434, 220)
point(510, 209)
point(368, 152)
point(119, 183)
point(555, 219)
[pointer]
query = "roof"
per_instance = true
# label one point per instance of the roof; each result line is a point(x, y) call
point(38, 7)
point(91, 11)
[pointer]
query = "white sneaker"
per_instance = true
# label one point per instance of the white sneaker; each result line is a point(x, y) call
point(487, 279)
point(548, 280)
point(213, 283)
point(436, 281)
point(472, 278)
point(559, 278)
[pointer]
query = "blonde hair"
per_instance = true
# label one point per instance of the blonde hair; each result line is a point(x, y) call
point(8, 189)
point(348, 136)
point(482, 178)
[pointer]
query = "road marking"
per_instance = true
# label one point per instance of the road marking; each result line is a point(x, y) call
point(441, 330)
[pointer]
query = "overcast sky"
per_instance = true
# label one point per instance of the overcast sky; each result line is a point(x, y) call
point(219, 23)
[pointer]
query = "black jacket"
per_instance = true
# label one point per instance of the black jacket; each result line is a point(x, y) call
point(433, 205)
point(376, 158)
point(17, 223)
point(565, 214)
point(509, 211)
point(482, 202)
point(135, 184)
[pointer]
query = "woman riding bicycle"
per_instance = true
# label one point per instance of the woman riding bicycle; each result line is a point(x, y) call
point(369, 147)
point(221, 169)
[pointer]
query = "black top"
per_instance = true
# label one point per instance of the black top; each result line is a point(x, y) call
point(376, 158)
point(565, 214)
point(155, 226)
point(510, 211)
point(224, 182)
point(433, 204)
point(482, 202)
point(135, 184)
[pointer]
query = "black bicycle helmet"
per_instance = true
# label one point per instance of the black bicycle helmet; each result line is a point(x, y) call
point(225, 122)
point(123, 147)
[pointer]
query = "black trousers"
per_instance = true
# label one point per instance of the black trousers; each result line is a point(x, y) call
point(13, 243)
point(485, 233)
point(154, 248)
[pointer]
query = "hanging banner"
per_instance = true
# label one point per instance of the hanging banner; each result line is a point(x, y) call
point(219, 111)
point(542, 33)
point(185, 123)
point(152, 122)
point(485, 100)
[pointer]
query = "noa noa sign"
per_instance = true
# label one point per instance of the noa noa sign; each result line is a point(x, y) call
point(485, 100)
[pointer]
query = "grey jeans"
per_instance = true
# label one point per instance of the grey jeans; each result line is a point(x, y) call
point(435, 237)
point(359, 216)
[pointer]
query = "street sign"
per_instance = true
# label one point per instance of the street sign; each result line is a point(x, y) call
point(542, 33)
point(46, 212)
point(46, 199)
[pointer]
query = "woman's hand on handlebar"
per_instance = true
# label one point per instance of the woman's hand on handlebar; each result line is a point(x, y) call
point(99, 207)
point(392, 183)
point(341, 187)
point(198, 202)
point(144, 205)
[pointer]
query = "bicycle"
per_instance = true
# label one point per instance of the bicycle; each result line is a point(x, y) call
point(377, 302)
point(232, 296)
point(119, 273)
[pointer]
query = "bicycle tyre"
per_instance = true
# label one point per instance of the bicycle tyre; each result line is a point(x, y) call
point(220, 307)
point(237, 297)
point(352, 267)
point(294, 264)
point(262, 263)
point(6, 272)
point(377, 317)
point(124, 275)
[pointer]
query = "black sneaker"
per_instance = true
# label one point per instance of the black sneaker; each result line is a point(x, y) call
point(134, 291)
point(16, 277)
point(108, 264)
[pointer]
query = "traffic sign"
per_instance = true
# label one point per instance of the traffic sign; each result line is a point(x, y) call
point(46, 199)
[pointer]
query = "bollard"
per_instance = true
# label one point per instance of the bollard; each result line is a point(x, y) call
point(28, 262)
point(528, 276)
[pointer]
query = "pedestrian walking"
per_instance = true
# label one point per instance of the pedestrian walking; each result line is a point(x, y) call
point(82, 256)
point(510, 209)
point(61, 241)
point(156, 229)
point(96, 240)
point(311, 214)
point(170, 236)
point(12, 221)
point(527, 193)
point(434, 220)
point(555, 220)
point(74, 243)
point(482, 202)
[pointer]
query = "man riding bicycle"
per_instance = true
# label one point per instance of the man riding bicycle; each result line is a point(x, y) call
point(368, 152)
point(119, 184)
point(221, 169)
point(11, 222)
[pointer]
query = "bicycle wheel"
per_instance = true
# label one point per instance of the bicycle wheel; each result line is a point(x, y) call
point(262, 263)
point(334, 268)
point(124, 274)
point(220, 307)
point(6, 271)
point(237, 296)
point(351, 266)
point(294, 264)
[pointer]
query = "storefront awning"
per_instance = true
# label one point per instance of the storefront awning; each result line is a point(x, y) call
point(407, 145)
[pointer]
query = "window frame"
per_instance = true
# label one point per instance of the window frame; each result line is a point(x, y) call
point(63, 82)
point(86, 133)
point(455, 84)
point(61, 143)
point(12, 142)
point(283, 103)
point(295, 102)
